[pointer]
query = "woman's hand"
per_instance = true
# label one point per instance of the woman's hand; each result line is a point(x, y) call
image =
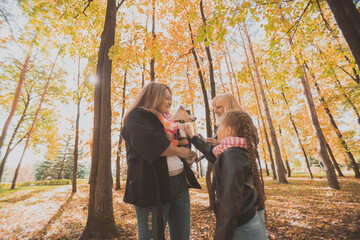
point(183, 152)
point(188, 131)
point(212, 141)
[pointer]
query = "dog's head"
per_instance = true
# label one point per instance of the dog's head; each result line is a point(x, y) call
point(183, 115)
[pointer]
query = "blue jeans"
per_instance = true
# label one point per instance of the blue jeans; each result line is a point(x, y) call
point(176, 213)
point(252, 230)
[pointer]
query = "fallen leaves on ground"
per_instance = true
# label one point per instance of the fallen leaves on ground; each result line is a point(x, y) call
point(302, 209)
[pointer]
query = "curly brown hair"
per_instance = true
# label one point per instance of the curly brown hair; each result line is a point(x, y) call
point(243, 126)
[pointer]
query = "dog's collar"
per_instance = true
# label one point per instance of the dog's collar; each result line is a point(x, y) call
point(180, 121)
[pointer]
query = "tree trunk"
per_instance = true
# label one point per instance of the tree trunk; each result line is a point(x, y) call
point(230, 76)
point(203, 88)
point(338, 133)
point(76, 146)
point(34, 121)
point(118, 155)
point(348, 99)
point(235, 78)
point(266, 166)
point(208, 54)
point(280, 167)
point(63, 161)
point(346, 162)
point(225, 89)
point(152, 61)
point(207, 116)
point(23, 72)
point(10, 147)
point(297, 135)
point(288, 170)
point(336, 165)
point(259, 110)
point(100, 222)
point(348, 19)
point(210, 166)
point(261, 138)
point(324, 157)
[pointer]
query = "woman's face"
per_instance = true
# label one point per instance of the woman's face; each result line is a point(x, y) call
point(223, 130)
point(166, 102)
point(218, 110)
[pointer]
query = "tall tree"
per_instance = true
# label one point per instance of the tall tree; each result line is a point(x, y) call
point(259, 109)
point(297, 133)
point(279, 164)
point(152, 53)
point(118, 154)
point(324, 157)
point(207, 113)
point(20, 83)
point(34, 120)
point(100, 222)
point(77, 123)
point(348, 20)
point(338, 132)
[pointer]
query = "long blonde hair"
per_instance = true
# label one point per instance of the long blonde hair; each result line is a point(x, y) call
point(228, 101)
point(149, 98)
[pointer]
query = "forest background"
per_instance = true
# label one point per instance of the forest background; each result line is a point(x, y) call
point(287, 63)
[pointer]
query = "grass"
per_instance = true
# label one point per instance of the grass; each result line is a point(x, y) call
point(303, 209)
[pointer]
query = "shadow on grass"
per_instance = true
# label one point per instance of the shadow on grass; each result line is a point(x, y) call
point(23, 197)
point(42, 232)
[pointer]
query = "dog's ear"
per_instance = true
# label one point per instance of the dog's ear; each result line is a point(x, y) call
point(181, 107)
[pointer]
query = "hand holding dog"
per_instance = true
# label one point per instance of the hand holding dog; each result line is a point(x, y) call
point(183, 152)
point(188, 131)
point(212, 141)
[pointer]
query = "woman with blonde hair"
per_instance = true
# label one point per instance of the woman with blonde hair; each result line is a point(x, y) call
point(158, 177)
point(225, 103)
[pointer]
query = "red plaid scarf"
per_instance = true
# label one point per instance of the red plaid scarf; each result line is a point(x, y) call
point(229, 142)
point(169, 126)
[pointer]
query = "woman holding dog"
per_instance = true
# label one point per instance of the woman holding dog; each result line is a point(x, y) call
point(158, 177)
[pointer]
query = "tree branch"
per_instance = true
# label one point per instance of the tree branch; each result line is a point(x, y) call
point(119, 5)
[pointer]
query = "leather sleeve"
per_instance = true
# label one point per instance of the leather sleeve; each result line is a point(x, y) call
point(141, 134)
point(231, 190)
point(204, 147)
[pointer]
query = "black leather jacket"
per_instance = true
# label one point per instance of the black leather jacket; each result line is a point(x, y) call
point(235, 194)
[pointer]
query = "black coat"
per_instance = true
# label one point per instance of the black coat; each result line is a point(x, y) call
point(235, 194)
point(148, 183)
point(145, 140)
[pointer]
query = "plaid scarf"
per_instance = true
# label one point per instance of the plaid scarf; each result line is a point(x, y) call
point(169, 126)
point(229, 142)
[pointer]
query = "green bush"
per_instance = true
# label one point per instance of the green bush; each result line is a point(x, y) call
point(52, 182)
